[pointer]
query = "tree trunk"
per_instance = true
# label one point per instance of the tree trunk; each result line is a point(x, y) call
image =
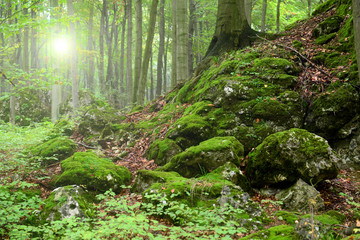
point(278, 16)
point(115, 81)
point(129, 76)
point(151, 78)
point(310, 7)
point(138, 50)
point(192, 9)
point(91, 63)
point(165, 64)
point(161, 49)
point(232, 29)
point(248, 11)
point(110, 38)
point(26, 44)
point(147, 53)
point(182, 66)
point(122, 56)
point(263, 15)
point(173, 45)
point(33, 48)
point(356, 14)
point(101, 47)
point(73, 60)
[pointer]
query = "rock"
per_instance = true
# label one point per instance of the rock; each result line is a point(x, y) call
point(190, 130)
point(284, 157)
point(301, 197)
point(52, 151)
point(331, 112)
point(207, 156)
point(307, 229)
point(161, 151)
point(276, 232)
point(66, 202)
point(64, 127)
point(329, 25)
point(85, 99)
point(275, 66)
point(97, 174)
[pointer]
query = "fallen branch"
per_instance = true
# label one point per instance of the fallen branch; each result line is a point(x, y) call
point(298, 53)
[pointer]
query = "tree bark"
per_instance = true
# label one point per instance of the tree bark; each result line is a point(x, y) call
point(278, 16)
point(110, 38)
point(192, 9)
point(356, 15)
point(159, 84)
point(182, 66)
point(91, 63)
point(173, 45)
point(138, 50)
point(129, 76)
point(101, 48)
point(151, 78)
point(147, 53)
point(248, 11)
point(26, 44)
point(33, 43)
point(263, 15)
point(310, 7)
point(232, 29)
point(165, 64)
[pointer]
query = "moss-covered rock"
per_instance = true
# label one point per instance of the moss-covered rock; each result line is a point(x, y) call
point(190, 130)
point(64, 127)
point(161, 151)
point(324, 39)
point(289, 217)
point(66, 202)
point(331, 112)
point(329, 25)
point(280, 232)
point(275, 66)
point(284, 157)
point(301, 197)
point(207, 156)
point(53, 151)
point(97, 174)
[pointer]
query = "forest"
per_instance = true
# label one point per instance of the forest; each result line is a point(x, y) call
point(180, 119)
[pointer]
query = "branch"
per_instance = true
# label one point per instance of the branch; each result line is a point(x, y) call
point(299, 54)
point(8, 17)
point(2, 74)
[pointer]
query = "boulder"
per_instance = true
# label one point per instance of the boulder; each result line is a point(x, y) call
point(52, 151)
point(284, 157)
point(96, 174)
point(161, 151)
point(301, 197)
point(331, 112)
point(207, 156)
point(329, 25)
point(66, 202)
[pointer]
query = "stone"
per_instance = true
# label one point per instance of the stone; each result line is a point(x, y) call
point(162, 150)
point(65, 202)
point(207, 156)
point(95, 173)
point(329, 25)
point(301, 197)
point(284, 157)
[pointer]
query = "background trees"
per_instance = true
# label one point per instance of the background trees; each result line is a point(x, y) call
point(110, 43)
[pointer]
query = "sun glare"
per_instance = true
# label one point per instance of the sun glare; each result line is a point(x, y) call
point(61, 46)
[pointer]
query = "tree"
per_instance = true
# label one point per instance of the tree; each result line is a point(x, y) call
point(174, 44)
point(356, 14)
point(161, 48)
point(129, 76)
point(248, 10)
point(91, 64)
point(232, 30)
point(263, 16)
point(182, 39)
point(278, 16)
point(138, 47)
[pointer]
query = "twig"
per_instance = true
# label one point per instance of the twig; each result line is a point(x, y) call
point(299, 54)
point(87, 146)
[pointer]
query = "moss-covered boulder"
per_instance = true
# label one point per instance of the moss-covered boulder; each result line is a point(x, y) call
point(161, 151)
point(190, 130)
point(301, 197)
point(329, 25)
point(53, 151)
point(284, 157)
point(331, 112)
point(97, 174)
point(66, 202)
point(207, 156)
point(64, 127)
point(280, 232)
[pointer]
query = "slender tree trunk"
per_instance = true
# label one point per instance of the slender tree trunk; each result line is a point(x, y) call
point(356, 14)
point(73, 60)
point(91, 63)
point(26, 44)
point(151, 78)
point(161, 48)
point(34, 55)
point(110, 38)
point(129, 76)
point(101, 47)
point(263, 15)
point(115, 81)
point(310, 7)
point(147, 53)
point(165, 64)
point(138, 51)
point(122, 56)
point(278, 16)
point(182, 41)
point(192, 9)
point(248, 10)
point(173, 46)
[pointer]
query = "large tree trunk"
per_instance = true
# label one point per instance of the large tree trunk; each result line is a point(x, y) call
point(129, 73)
point(356, 14)
point(248, 11)
point(182, 72)
point(91, 66)
point(73, 60)
point(147, 53)
point(138, 50)
point(173, 45)
point(263, 15)
point(161, 48)
point(192, 22)
point(232, 28)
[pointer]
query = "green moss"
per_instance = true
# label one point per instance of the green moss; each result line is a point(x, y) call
point(336, 59)
point(324, 7)
point(337, 215)
point(346, 36)
point(199, 108)
point(329, 25)
point(324, 39)
point(289, 217)
point(161, 151)
point(207, 156)
point(297, 44)
point(54, 150)
point(281, 232)
point(324, 219)
point(275, 66)
point(97, 174)
point(271, 110)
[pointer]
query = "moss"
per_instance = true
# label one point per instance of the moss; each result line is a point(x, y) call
point(324, 7)
point(64, 127)
point(336, 59)
point(54, 150)
point(275, 66)
point(337, 215)
point(161, 151)
point(207, 156)
point(329, 25)
point(137, 108)
point(346, 36)
point(145, 178)
point(97, 174)
point(297, 44)
point(289, 217)
point(324, 219)
point(324, 39)
point(281, 232)
point(199, 108)
point(271, 110)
